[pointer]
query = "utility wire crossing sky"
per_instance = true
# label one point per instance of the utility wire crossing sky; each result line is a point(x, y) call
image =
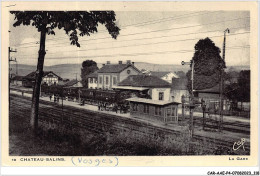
point(154, 37)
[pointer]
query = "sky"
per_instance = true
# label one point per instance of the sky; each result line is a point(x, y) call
point(145, 36)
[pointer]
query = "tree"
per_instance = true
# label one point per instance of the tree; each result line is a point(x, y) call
point(207, 65)
point(73, 22)
point(240, 91)
point(244, 86)
point(88, 67)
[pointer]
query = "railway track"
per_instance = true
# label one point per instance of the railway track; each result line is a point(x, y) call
point(237, 127)
point(97, 122)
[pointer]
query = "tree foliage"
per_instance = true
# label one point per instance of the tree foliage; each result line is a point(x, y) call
point(244, 84)
point(202, 81)
point(207, 58)
point(207, 65)
point(88, 67)
point(239, 91)
point(74, 23)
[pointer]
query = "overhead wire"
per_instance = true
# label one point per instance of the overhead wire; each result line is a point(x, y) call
point(153, 31)
point(139, 54)
point(137, 24)
point(155, 43)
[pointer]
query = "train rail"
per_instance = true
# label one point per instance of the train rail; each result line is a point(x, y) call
point(98, 121)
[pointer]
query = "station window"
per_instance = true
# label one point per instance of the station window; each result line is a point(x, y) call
point(169, 112)
point(173, 111)
point(158, 110)
point(100, 80)
point(146, 109)
point(107, 80)
point(160, 95)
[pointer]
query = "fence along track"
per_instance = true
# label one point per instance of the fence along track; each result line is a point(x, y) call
point(98, 122)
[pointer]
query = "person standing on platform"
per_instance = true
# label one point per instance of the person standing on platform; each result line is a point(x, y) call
point(99, 106)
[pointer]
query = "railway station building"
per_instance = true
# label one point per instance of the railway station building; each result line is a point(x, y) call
point(111, 74)
point(159, 106)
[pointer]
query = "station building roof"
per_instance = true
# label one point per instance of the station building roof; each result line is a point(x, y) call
point(144, 81)
point(150, 101)
point(130, 88)
point(115, 68)
point(45, 73)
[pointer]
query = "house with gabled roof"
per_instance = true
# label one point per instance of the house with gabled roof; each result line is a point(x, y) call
point(110, 74)
point(48, 78)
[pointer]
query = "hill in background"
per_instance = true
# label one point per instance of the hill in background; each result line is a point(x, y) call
point(71, 71)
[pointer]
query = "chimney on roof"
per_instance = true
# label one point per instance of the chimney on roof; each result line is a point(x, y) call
point(133, 63)
point(120, 62)
point(128, 62)
point(108, 62)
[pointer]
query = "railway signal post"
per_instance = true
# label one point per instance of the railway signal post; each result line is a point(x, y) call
point(192, 106)
point(221, 82)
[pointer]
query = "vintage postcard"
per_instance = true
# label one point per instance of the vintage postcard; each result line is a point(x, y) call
point(129, 84)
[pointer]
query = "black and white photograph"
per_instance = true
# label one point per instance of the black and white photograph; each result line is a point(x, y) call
point(129, 83)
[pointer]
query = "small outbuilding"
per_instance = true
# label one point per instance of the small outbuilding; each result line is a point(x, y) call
point(17, 80)
point(164, 111)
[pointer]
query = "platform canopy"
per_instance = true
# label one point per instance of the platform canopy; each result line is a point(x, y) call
point(130, 88)
point(150, 101)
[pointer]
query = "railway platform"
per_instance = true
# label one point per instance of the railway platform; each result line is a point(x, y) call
point(198, 131)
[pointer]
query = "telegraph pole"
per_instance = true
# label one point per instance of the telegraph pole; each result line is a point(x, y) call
point(191, 63)
point(221, 82)
point(9, 69)
point(10, 50)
